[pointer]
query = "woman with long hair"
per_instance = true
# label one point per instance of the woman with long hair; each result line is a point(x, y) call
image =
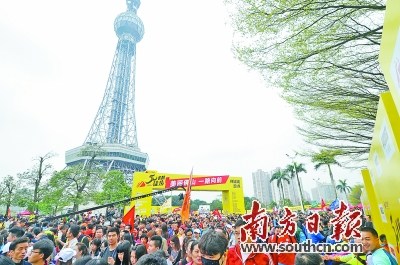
point(195, 253)
point(175, 250)
point(95, 248)
point(81, 250)
point(123, 253)
point(186, 255)
point(137, 252)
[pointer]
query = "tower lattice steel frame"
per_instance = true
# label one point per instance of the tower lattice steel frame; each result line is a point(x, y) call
point(114, 128)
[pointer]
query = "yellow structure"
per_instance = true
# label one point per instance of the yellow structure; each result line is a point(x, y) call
point(146, 182)
point(381, 197)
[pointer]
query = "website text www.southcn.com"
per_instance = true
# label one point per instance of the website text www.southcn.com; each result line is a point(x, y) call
point(304, 247)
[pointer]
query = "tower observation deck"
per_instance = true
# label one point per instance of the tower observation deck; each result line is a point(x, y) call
point(113, 132)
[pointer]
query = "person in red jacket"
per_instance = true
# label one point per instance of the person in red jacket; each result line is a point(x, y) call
point(236, 257)
point(282, 258)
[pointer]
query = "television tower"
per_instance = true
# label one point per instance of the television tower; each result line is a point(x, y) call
point(113, 132)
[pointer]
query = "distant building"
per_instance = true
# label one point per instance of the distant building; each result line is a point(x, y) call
point(306, 196)
point(323, 191)
point(262, 186)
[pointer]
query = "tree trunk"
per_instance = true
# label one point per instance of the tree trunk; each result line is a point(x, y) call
point(283, 195)
point(37, 183)
point(7, 207)
point(332, 181)
point(298, 184)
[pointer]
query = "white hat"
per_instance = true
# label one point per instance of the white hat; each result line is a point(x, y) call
point(197, 231)
point(65, 254)
point(229, 226)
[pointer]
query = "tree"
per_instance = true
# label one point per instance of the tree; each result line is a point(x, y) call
point(328, 158)
point(287, 202)
point(324, 57)
point(78, 184)
point(114, 188)
point(280, 176)
point(294, 170)
point(343, 187)
point(216, 204)
point(355, 194)
point(7, 189)
point(272, 204)
point(196, 204)
point(38, 173)
point(248, 201)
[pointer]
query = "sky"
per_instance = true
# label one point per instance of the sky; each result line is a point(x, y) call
point(196, 105)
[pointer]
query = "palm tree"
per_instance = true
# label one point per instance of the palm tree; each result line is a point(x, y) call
point(294, 170)
point(280, 176)
point(327, 157)
point(343, 187)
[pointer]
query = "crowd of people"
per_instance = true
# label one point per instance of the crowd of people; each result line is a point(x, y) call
point(163, 239)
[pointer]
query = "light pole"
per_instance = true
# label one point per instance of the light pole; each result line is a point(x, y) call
point(298, 180)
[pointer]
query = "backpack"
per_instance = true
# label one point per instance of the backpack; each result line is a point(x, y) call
point(393, 261)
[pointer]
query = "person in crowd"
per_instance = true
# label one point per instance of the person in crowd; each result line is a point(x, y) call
point(40, 252)
point(154, 244)
point(110, 253)
point(213, 246)
point(83, 260)
point(278, 238)
point(384, 242)
point(175, 250)
point(231, 235)
point(308, 259)
point(144, 240)
point(65, 256)
point(97, 262)
point(161, 253)
point(189, 233)
point(164, 245)
point(377, 254)
point(99, 233)
point(150, 259)
point(235, 257)
point(137, 252)
point(81, 250)
point(368, 221)
point(4, 260)
point(62, 235)
point(196, 234)
point(95, 248)
point(13, 234)
point(72, 234)
point(181, 234)
point(128, 237)
point(18, 249)
point(123, 253)
point(351, 258)
point(195, 253)
point(186, 255)
point(82, 238)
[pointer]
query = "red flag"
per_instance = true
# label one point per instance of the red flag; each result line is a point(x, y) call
point(217, 213)
point(129, 218)
point(186, 201)
point(323, 204)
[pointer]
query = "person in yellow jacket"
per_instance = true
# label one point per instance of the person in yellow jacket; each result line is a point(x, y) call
point(351, 258)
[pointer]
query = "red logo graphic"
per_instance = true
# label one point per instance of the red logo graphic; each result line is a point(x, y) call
point(141, 184)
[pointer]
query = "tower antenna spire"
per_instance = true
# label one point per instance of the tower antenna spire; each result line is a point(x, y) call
point(114, 128)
